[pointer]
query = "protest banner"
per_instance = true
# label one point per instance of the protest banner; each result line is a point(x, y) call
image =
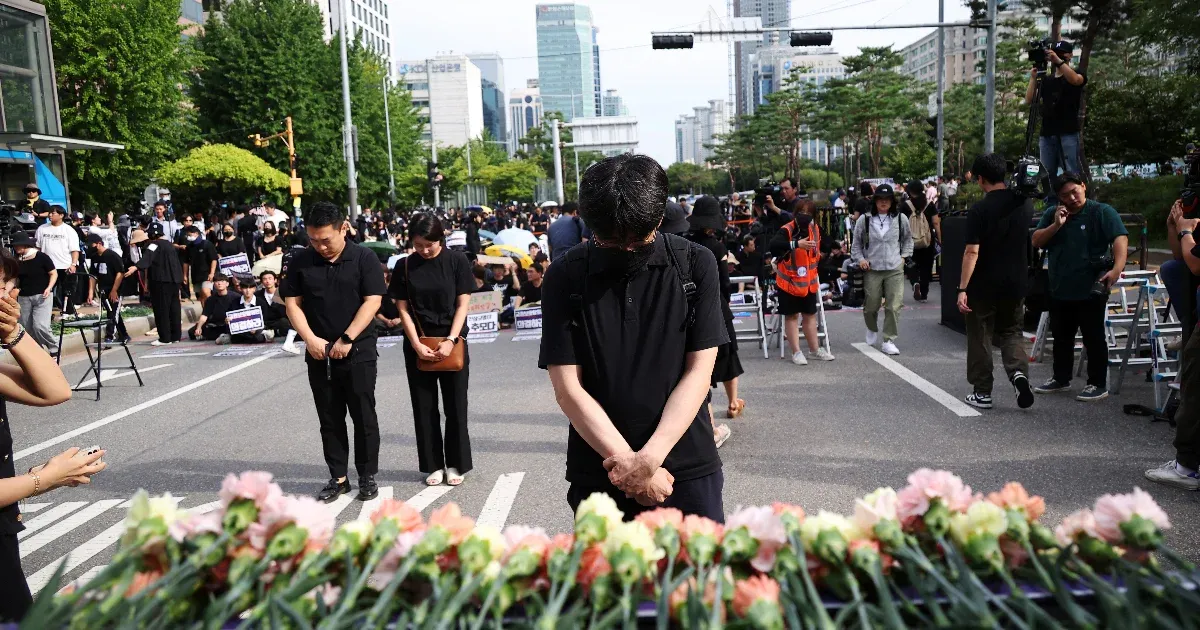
point(529, 319)
point(245, 320)
point(235, 264)
point(485, 302)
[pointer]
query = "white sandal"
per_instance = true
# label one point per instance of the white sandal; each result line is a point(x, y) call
point(434, 478)
point(453, 478)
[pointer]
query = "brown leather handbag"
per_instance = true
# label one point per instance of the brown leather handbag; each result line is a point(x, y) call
point(455, 361)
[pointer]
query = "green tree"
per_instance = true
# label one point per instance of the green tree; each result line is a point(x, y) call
point(119, 68)
point(219, 172)
point(537, 146)
point(511, 180)
point(688, 178)
point(874, 98)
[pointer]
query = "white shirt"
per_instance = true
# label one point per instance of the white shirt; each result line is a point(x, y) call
point(110, 238)
point(57, 242)
point(277, 218)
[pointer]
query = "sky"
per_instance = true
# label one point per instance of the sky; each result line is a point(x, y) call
point(657, 85)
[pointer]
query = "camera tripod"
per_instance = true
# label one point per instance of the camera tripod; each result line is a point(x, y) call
point(99, 327)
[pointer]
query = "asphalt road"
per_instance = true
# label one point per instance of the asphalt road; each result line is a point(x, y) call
point(818, 435)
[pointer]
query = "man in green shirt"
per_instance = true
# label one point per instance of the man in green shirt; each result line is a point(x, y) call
point(1087, 245)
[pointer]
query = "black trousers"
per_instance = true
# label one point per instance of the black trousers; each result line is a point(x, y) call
point(64, 292)
point(164, 297)
point(15, 598)
point(1087, 318)
point(113, 309)
point(346, 387)
point(433, 452)
point(701, 496)
point(1187, 416)
point(208, 333)
point(924, 275)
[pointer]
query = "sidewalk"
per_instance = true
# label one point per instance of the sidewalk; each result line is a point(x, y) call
point(72, 341)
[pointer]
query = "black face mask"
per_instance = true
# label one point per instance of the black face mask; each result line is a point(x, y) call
point(629, 261)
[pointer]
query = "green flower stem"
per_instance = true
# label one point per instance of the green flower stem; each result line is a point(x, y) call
point(485, 609)
point(914, 560)
point(1032, 609)
point(822, 619)
point(714, 619)
point(222, 610)
point(890, 612)
point(466, 591)
point(848, 575)
point(558, 598)
point(627, 607)
point(378, 616)
point(665, 588)
point(1079, 617)
point(973, 580)
point(350, 596)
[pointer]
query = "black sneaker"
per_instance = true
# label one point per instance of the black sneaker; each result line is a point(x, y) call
point(1091, 393)
point(367, 488)
point(332, 490)
point(1020, 383)
point(1052, 386)
point(981, 401)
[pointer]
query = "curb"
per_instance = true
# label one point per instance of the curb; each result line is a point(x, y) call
point(72, 343)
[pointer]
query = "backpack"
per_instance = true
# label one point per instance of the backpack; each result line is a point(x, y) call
point(866, 235)
point(922, 235)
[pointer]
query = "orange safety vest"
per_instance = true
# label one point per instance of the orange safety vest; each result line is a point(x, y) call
point(797, 273)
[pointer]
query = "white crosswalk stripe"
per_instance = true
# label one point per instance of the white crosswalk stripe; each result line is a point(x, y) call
point(48, 517)
point(67, 525)
point(51, 524)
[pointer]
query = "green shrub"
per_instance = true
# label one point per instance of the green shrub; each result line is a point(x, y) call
point(1150, 197)
point(812, 178)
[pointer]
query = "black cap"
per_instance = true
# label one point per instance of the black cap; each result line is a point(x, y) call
point(154, 231)
point(94, 239)
point(707, 215)
point(22, 238)
point(884, 190)
point(1069, 177)
point(1062, 48)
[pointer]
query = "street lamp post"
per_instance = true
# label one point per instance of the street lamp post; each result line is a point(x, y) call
point(387, 120)
point(348, 128)
point(989, 97)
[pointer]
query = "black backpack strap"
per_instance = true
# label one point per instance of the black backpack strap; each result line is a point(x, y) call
point(677, 245)
point(575, 262)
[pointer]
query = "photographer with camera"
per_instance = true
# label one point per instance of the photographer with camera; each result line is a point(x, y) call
point(1060, 93)
point(1087, 245)
point(769, 216)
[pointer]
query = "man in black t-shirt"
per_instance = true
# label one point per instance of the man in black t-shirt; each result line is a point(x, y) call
point(333, 290)
point(531, 289)
point(212, 325)
point(109, 270)
point(1062, 91)
point(36, 280)
point(630, 329)
point(992, 288)
point(199, 262)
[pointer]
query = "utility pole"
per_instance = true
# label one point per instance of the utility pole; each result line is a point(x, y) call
point(387, 121)
point(437, 190)
point(989, 96)
point(941, 90)
point(558, 170)
point(348, 128)
point(467, 125)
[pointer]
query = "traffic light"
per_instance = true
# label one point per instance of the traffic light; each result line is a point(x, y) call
point(678, 40)
point(931, 131)
point(435, 176)
point(812, 39)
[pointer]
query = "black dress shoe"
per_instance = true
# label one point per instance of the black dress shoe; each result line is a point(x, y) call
point(332, 490)
point(367, 488)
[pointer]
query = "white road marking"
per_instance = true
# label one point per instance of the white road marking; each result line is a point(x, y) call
point(69, 435)
point(48, 517)
point(369, 507)
point(28, 508)
point(107, 375)
point(33, 543)
point(955, 405)
point(338, 506)
point(426, 497)
point(500, 501)
point(203, 508)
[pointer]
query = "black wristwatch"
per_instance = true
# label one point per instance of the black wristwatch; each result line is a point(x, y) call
point(961, 290)
point(454, 340)
point(346, 338)
point(1183, 233)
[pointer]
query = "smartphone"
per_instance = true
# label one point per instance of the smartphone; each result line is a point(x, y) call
point(91, 450)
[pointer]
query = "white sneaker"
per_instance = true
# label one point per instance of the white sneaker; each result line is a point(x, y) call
point(823, 355)
point(799, 359)
point(872, 339)
point(889, 347)
point(224, 340)
point(159, 342)
point(291, 348)
point(269, 335)
point(1169, 474)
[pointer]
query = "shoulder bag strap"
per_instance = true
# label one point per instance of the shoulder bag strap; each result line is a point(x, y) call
point(408, 287)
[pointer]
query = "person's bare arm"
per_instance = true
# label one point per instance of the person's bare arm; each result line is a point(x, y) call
point(1031, 91)
point(295, 314)
point(1041, 238)
point(1173, 230)
point(970, 257)
point(53, 281)
point(586, 415)
point(36, 380)
point(362, 319)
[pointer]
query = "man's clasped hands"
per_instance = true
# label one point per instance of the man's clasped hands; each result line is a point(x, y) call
point(640, 476)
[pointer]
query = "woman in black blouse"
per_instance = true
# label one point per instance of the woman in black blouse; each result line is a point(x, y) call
point(229, 243)
point(35, 381)
point(270, 244)
point(432, 288)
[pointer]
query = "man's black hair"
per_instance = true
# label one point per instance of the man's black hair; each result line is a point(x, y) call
point(571, 207)
point(267, 272)
point(269, 204)
point(191, 229)
point(791, 182)
point(991, 167)
point(427, 226)
point(160, 202)
point(623, 198)
point(324, 213)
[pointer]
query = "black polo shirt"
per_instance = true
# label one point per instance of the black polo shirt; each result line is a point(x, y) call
point(107, 266)
point(634, 351)
point(332, 292)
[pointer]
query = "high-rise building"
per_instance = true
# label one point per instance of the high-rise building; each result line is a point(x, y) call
point(448, 95)
point(525, 111)
point(567, 68)
point(495, 109)
point(369, 19)
point(776, 64)
point(613, 105)
point(774, 13)
point(596, 69)
point(966, 47)
point(696, 134)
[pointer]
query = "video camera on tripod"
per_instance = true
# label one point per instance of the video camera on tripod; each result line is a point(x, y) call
point(12, 221)
point(1037, 50)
